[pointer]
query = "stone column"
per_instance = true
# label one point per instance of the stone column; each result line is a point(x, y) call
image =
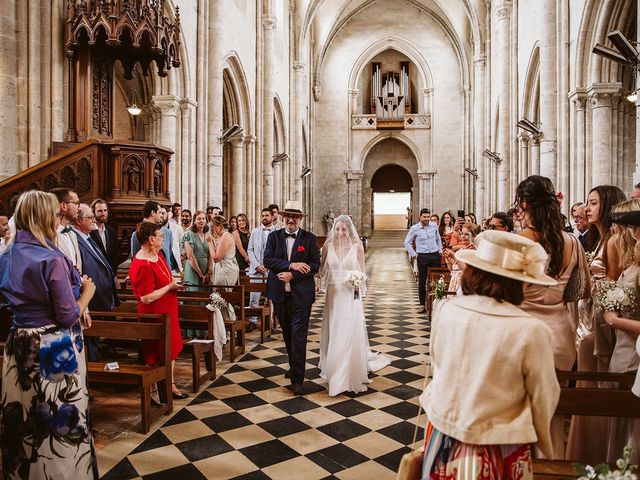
point(503, 67)
point(615, 103)
point(236, 175)
point(9, 164)
point(549, 92)
point(479, 129)
point(426, 193)
point(535, 155)
point(188, 186)
point(578, 159)
point(214, 181)
point(600, 99)
point(620, 178)
point(354, 188)
point(269, 24)
point(276, 168)
point(252, 208)
point(353, 110)
point(296, 163)
point(168, 106)
point(523, 161)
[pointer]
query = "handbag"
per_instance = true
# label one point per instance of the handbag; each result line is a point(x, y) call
point(577, 282)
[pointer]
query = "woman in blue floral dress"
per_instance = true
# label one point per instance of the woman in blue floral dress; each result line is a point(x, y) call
point(45, 430)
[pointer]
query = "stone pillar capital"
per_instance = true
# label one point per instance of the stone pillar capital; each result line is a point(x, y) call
point(353, 92)
point(503, 10)
point(237, 140)
point(524, 137)
point(426, 174)
point(298, 67)
point(186, 105)
point(600, 94)
point(579, 98)
point(317, 91)
point(166, 104)
point(480, 61)
point(354, 174)
point(428, 91)
point(535, 138)
point(269, 22)
point(250, 139)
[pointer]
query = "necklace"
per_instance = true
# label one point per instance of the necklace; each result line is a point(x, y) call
point(165, 270)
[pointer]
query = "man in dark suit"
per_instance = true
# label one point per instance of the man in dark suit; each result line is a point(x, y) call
point(292, 257)
point(105, 235)
point(582, 226)
point(95, 266)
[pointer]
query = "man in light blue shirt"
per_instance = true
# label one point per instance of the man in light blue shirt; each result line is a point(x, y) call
point(428, 247)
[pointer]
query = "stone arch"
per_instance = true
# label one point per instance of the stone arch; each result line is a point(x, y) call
point(238, 80)
point(394, 136)
point(279, 129)
point(531, 92)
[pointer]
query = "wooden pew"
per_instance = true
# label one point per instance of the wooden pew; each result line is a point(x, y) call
point(190, 316)
point(237, 337)
point(612, 399)
point(262, 311)
point(134, 326)
point(433, 275)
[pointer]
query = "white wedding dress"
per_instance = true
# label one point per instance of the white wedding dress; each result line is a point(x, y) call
point(345, 354)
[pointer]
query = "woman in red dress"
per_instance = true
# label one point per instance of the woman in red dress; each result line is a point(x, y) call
point(155, 288)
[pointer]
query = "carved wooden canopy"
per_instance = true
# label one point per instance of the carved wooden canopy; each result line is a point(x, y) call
point(128, 30)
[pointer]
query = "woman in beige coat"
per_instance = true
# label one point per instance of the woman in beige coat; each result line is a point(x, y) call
point(494, 387)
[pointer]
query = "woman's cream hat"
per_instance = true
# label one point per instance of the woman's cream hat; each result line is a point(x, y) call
point(508, 255)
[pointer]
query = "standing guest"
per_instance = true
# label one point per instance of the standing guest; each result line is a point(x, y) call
point(222, 254)
point(255, 250)
point(429, 249)
point(105, 235)
point(447, 224)
point(501, 221)
point(155, 289)
point(196, 247)
point(241, 238)
point(468, 235)
point(68, 212)
point(176, 210)
point(435, 219)
point(514, 214)
point(292, 257)
point(581, 225)
point(176, 236)
point(4, 226)
point(488, 405)
point(277, 221)
point(409, 218)
point(152, 213)
point(636, 191)
point(212, 212)
point(185, 217)
point(470, 218)
point(588, 435)
point(541, 217)
point(625, 359)
point(233, 224)
point(95, 266)
point(46, 426)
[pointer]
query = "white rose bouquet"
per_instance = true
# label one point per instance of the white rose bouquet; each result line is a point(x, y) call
point(355, 279)
point(625, 470)
point(612, 296)
point(216, 302)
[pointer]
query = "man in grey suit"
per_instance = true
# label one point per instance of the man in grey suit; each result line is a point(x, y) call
point(255, 250)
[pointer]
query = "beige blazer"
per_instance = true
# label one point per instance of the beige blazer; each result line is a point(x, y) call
point(494, 380)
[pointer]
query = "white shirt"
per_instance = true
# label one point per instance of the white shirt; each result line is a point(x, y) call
point(69, 248)
point(102, 232)
point(177, 234)
point(290, 242)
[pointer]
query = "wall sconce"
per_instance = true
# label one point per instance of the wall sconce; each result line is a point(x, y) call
point(529, 126)
point(626, 53)
point(230, 132)
point(134, 109)
point(306, 171)
point(493, 156)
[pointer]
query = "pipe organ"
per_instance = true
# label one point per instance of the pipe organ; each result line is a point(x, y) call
point(390, 95)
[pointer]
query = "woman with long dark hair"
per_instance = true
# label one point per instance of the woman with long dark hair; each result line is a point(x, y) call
point(446, 228)
point(542, 222)
point(588, 435)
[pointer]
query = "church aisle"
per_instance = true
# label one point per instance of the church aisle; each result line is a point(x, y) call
point(247, 425)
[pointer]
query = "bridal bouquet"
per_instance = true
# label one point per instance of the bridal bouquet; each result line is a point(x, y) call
point(216, 302)
point(612, 296)
point(355, 279)
point(625, 471)
point(438, 288)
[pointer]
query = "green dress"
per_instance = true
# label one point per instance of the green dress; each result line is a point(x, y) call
point(201, 252)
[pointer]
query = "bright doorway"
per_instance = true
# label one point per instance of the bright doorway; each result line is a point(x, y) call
point(390, 210)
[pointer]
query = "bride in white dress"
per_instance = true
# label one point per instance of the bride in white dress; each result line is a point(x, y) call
point(345, 354)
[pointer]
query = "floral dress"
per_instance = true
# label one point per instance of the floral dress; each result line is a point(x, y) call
point(46, 426)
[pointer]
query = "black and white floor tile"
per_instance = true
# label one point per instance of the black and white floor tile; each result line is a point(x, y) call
point(248, 425)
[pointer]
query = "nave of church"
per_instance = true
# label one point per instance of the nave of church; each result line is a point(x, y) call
point(247, 424)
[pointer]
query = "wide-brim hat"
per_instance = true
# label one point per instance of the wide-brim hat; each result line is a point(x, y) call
point(630, 219)
point(293, 208)
point(508, 255)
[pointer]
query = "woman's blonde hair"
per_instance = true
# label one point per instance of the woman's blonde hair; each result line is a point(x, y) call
point(219, 220)
point(36, 212)
point(625, 240)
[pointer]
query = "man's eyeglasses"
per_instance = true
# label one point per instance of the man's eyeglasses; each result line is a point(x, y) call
point(77, 202)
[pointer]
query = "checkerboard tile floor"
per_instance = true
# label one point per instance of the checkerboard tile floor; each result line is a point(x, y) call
point(248, 425)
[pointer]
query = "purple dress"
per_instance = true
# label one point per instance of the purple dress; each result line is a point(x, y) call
point(46, 427)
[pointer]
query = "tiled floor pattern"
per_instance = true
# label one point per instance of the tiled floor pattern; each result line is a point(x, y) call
point(248, 425)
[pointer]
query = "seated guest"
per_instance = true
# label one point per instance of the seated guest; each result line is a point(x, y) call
point(501, 221)
point(492, 396)
point(46, 425)
point(155, 289)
